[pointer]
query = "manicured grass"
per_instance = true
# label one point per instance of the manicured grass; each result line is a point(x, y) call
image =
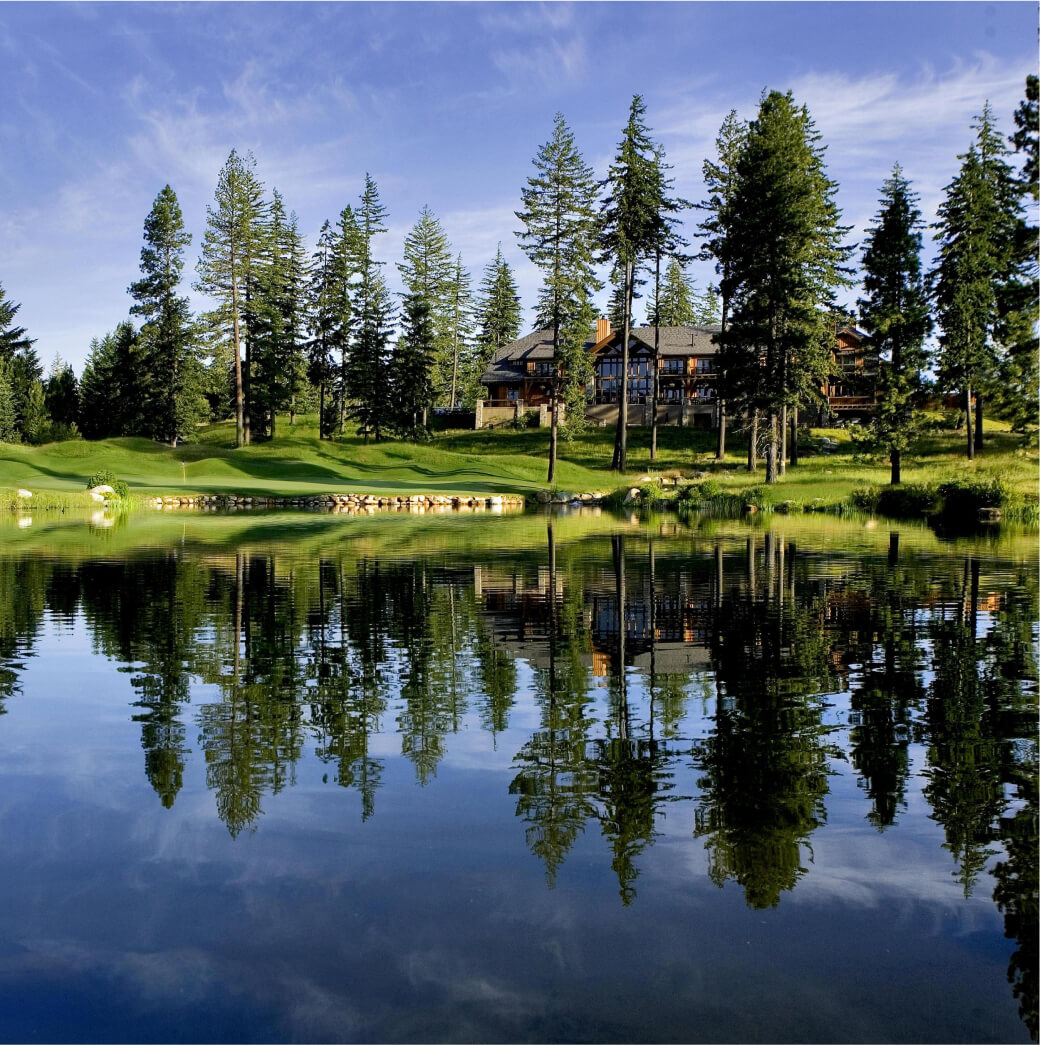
point(499, 461)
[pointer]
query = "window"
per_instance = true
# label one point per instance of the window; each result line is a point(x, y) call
point(544, 369)
point(512, 394)
point(673, 367)
point(705, 366)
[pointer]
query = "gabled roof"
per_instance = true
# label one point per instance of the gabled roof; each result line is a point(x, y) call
point(510, 361)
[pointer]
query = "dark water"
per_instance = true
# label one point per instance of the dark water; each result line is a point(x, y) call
point(516, 779)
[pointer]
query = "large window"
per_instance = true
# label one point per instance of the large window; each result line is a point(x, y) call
point(673, 367)
point(705, 366)
point(544, 369)
point(608, 379)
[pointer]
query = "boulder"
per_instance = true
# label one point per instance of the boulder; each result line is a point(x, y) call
point(103, 491)
point(23, 495)
point(543, 496)
point(632, 496)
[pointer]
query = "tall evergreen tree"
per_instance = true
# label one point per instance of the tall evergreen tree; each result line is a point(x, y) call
point(322, 322)
point(497, 315)
point(895, 311)
point(35, 421)
point(348, 264)
point(720, 178)
point(16, 350)
point(1015, 392)
point(62, 397)
point(785, 258)
point(978, 239)
point(676, 304)
point(230, 244)
point(368, 384)
point(559, 224)
point(278, 325)
point(13, 338)
point(630, 228)
point(8, 419)
point(427, 271)
point(411, 368)
point(459, 315)
point(174, 402)
point(112, 390)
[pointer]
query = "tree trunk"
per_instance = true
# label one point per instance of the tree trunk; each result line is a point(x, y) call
point(239, 398)
point(247, 435)
point(342, 390)
point(621, 434)
point(794, 435)
point(321, 409)
point(720, 445)
point(454, 371)
point(978, 420)
point(783, 439)
point(657, 358)
point(752, 450)
point(771, 466)
point(967, 423)
point(553, 433)
point(292, 409)
point(895, 459)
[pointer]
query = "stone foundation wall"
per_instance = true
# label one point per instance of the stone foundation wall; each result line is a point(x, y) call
point(348, 502)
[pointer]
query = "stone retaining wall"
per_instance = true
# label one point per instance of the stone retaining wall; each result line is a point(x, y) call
point(348, 502)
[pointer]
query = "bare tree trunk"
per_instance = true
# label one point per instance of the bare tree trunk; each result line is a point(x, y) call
point(454, 370)
point(783, 439)
point(794, 435)
point(771, 466)
point(620, 461)
point(720, 445)
point(554, 425)
point(239, 397)
point(247, 434)
point(657, 359)
point(967, 423)
point(321, 409)
point(752, 450)
point(978, 420)
point(895, 459)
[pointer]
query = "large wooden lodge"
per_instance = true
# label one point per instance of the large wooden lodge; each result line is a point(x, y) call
point(518, 377)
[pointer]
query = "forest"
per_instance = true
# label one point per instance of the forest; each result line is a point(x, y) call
point(293, 331)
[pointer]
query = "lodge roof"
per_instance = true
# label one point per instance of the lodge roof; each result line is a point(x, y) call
point(510, 361)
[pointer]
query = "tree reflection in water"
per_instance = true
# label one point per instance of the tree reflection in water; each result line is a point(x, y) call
point(629, 640)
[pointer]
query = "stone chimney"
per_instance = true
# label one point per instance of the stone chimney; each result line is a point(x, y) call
point(602, 329)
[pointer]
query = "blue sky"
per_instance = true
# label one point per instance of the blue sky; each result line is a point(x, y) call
point(445, 104)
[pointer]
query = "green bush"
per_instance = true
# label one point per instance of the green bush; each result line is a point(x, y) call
point(710, 488)
point(964, 497)
point(121, 488)
point(907, 501)
point(650, 493)
point(102, 477)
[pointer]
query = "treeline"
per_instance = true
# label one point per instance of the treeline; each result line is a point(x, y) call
point(291, 333)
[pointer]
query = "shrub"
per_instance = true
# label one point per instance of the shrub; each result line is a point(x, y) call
point(907, 501)
point(964, 497)
point(102, 477)
point(710, 488)
point(650, 493)
point(121, 488)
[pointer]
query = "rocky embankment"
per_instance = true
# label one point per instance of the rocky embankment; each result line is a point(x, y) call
point(347, 502)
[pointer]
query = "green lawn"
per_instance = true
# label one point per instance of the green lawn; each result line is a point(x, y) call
point(485, 462)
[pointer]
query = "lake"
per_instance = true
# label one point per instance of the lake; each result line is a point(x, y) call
point(524, 778)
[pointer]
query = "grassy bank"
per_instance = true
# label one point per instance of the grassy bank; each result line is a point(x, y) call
point(495, 462)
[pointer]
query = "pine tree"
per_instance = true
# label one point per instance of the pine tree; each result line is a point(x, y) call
point(630, 228)
point(224, 269)
point(978, 238)
point(62, 398)
point(708, 307)
point(558, 234)
point(8, 420)
point(12, 338)
point(720, 178)
point(368, 385)
point(895, 311)
point(35, 421)
point(497, 317)
point(348, 263)
point(322, 321)
point(278, 323)
point(427, 271)
point(411, 368)
point(1015, 392)
point(676, 305)
point(112, 392)
point(459, 316)
point(173, 377)
point(784, 259)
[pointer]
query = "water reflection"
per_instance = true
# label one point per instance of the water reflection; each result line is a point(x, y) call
point(765, 666)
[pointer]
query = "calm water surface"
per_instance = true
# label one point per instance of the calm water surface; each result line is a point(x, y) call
point(573, 778)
